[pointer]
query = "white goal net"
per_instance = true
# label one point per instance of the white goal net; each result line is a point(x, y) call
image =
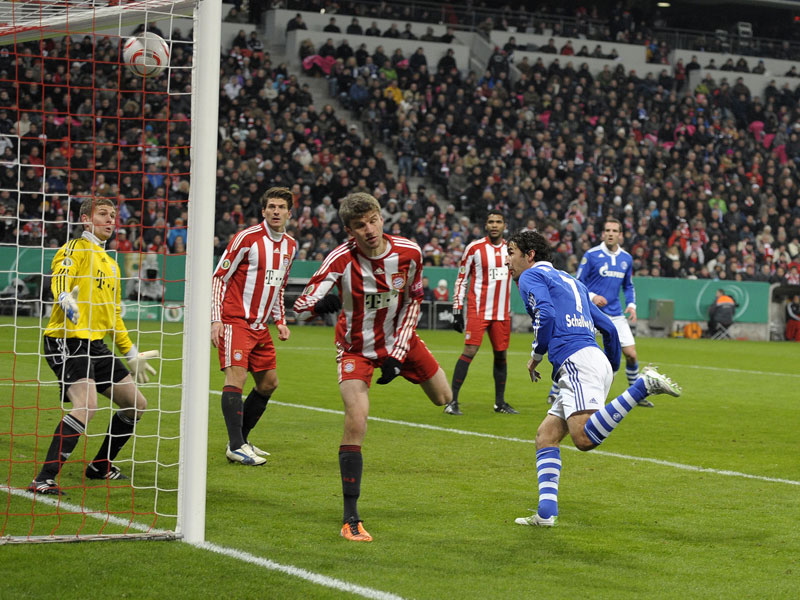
point(77, 126)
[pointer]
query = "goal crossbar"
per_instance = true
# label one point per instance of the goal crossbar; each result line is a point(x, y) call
point(39, 19)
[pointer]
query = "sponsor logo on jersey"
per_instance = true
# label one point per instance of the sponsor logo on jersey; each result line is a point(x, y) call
point(498, 273)
point(579, 321)
point(398, 281)
point(273, 277)
point(604, 272)
point(349, 365)
point(226, 264)
point(237, 355)
point(375, 301)
point(379, 271)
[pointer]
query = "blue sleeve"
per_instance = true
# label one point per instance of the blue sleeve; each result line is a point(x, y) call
point(536, 297)
point(627, 285)
point(611, 345)
point(583, 270)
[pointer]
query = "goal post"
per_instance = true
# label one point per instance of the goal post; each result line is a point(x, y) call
point(148, 144)
point(197, 330)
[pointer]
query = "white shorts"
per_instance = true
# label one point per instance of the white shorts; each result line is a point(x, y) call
point(623, 330)
point(584, 381)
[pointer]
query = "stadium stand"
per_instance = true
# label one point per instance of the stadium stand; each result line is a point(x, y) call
point(705, 182)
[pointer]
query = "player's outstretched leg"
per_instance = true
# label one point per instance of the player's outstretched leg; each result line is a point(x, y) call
point(632, 374)
point(604, 421)
point(548, 470)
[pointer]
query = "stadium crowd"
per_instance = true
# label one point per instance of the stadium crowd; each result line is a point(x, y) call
point(704, 183)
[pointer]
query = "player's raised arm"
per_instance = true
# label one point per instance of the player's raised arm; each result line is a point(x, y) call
point(319, 298)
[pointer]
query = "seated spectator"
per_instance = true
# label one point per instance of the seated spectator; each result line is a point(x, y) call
point(721, 312)
point(793, 319)
point(332, 27)
point(354, 28)
point(145, 283)
point(296, 23)
point(441, 293)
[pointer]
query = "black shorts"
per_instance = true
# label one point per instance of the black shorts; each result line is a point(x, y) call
point(73, 359)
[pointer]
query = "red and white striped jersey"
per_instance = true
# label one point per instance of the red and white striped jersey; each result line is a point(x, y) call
point(488, 293)
point(251, 276)
point(380, 297)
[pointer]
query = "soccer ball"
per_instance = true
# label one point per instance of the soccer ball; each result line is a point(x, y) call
point(146, 55)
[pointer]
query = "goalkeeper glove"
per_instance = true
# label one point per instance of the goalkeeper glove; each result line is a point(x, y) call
point(329, 304)
point(137, 363)
point(390, 369)
point(458, 320)
point(68, 301)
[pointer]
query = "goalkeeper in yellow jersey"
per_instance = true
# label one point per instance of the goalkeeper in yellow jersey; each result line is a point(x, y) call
point(86, 287)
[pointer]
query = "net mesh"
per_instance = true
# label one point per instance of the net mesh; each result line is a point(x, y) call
point(77, 125)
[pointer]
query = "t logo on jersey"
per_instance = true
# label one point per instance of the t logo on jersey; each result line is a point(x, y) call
point(498, 273)
point(273, 277)
point(398, 281)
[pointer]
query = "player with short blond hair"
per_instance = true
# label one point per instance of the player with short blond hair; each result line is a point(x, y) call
point(379, 277)
point(86, 286)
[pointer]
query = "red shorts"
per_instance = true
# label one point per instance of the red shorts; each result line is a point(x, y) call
point(241, 346)
point(499, 332)
point(418, 367)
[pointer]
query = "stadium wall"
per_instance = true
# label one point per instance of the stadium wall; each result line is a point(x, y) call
point(691, 297)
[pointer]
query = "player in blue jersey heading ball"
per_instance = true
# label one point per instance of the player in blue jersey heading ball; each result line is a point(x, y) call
point(564, 321)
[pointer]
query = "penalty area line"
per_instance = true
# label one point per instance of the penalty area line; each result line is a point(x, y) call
point(264, 563)
point(655, 461)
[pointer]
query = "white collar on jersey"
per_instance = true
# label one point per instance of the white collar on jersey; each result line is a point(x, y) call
point(275, 236)
point(93, 238)
point(543, 263)
point(489, 241)
point(609, 252)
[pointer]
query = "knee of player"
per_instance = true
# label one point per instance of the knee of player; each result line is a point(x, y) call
point(583, 443)
point(268, 387)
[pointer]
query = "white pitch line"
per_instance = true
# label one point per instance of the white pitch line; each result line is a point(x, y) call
point(332, 352)
point(324, 580)
point(265, 563)
point(656, 461)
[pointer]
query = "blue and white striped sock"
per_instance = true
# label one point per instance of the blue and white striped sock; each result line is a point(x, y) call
point(548, 469)
point(632, 372)
point(604, 421)
point(553, 390)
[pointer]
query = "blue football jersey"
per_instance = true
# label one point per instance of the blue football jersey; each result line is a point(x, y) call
point(564, 319)
point(605, 272)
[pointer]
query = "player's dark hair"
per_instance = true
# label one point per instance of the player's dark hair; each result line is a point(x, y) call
point(355, 205)
point(88, 205)
point(497, 212)
point(613, 220)
point(526, 241)
point(278, 193)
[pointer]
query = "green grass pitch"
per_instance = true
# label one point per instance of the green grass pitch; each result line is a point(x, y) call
point(664, 509)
